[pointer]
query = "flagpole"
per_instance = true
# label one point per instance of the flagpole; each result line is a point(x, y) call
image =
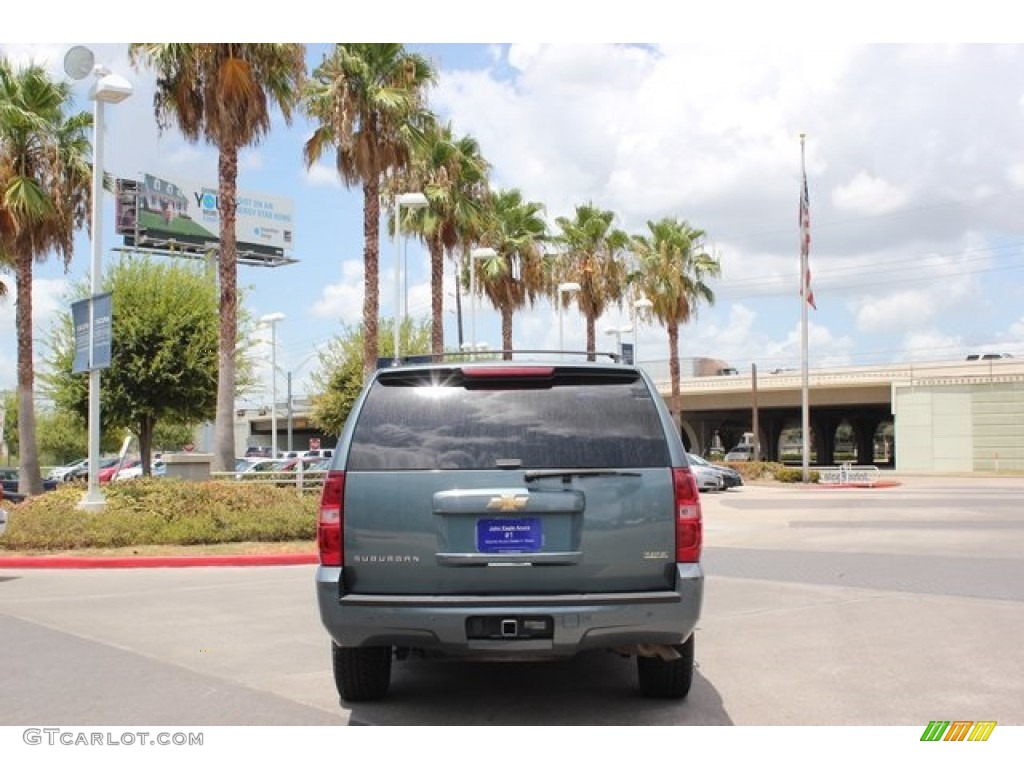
point(804, 407)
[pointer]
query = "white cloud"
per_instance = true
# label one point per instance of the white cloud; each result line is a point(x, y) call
point(49, 301)
point(344, 299)
point(322, 175)
point(869, 196)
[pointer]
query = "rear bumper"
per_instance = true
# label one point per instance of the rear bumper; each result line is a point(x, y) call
point(580, 622)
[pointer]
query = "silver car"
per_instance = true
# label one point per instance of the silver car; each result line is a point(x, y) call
point(510, 511)
point(708, 478)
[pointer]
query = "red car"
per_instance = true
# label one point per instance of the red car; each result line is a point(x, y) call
point(107, 473)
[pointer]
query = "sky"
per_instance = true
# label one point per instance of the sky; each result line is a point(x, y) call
point(914, 157)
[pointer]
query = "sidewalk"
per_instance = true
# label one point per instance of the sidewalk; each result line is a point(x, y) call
point(167, 561)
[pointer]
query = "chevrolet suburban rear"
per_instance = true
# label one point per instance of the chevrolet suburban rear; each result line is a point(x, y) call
point(508, 511)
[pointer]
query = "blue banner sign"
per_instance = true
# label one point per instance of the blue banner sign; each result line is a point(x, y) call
point(92, 333)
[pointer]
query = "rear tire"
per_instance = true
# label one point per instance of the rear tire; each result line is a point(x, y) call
point(661, 679)
point(362, 674)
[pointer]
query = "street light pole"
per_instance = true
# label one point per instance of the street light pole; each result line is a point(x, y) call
point(408, 200)
point(272, 320)
point(476, 253)
point(641, 305)
point(108, 89)
point(563, 288)
point(617, 333)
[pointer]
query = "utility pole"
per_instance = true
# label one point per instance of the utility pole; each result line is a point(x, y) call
point(755, 426)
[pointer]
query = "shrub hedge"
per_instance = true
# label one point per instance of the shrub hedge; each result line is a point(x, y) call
point(162, 511)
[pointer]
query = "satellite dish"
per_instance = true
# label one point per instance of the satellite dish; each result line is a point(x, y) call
point(78, 62)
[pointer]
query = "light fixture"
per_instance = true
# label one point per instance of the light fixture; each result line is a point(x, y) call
point(617, 333)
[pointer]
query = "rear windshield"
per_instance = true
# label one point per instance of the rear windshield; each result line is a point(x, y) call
point(442, 420)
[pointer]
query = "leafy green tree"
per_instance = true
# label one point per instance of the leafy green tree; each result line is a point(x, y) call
point(64, 436)
point(173, 436)
point(10, 432)
point(366, 99)
point(339, 378)
point(673, 267)
point(163, 353)
point(517, 275)
point(45, 189)
point(592, 256)
point(224, 93)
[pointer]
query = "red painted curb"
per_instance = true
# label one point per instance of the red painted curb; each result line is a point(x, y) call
point(43, 561)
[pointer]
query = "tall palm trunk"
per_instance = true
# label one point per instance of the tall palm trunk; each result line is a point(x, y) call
point(591, 337)
point(436, 296)
point(673, 371)
point(506, 330)
point(371, 275)
point(29, 479)
point(224, 429)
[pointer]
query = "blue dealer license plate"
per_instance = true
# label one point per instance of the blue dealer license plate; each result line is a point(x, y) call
point(508, 535)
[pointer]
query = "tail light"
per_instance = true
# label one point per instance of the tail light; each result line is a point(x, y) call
point(329, 538)
point(689, 525)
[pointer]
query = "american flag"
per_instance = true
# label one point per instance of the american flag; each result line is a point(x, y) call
point(805, 243)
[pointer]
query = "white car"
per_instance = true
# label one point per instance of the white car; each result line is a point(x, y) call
point(159, 469)
point(708, 478)
point(60, 474)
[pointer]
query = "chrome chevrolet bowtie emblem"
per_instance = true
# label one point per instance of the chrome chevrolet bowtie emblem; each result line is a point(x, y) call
point(507, 502)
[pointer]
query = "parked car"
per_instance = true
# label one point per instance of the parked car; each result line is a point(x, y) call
point(307, 463)
point(255, 469)
point(259, 451)
point(60, 474)
point(158, 469)
point(740, 453)
point(324, 453)
point(708, 478)
point(9, 482)
point(479, 510)
point(730, 477)
point(990, 356)
point(82, 472)
point(107, 473)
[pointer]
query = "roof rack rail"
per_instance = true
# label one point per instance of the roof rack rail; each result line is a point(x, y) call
point(491, 354)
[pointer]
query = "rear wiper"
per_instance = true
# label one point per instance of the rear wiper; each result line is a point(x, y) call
point(566, 474)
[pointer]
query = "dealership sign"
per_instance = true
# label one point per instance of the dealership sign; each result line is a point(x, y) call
point(92, 318)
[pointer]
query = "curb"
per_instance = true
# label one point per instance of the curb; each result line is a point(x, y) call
point(43, 561)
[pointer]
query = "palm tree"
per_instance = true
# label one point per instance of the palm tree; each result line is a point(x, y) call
point(367, 99)
point(224, 93)
point(452, 174)
point(517, 275)
point(672, 269)
point(45, 190)
point(591, 256)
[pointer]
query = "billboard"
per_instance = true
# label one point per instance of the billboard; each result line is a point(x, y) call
point(162, 211)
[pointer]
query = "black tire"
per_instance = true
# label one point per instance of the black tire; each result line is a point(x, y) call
point(661, 679)
point(362, 674)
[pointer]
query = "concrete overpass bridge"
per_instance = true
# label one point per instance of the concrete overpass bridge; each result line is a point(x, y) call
point(962, 415)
